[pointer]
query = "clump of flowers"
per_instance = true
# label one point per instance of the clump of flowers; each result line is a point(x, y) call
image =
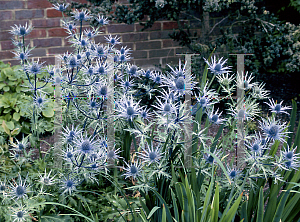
point(102, 97)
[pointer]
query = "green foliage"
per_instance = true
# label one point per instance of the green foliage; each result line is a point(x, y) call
point(296, 4)
point(15, 100)
point(273, 201)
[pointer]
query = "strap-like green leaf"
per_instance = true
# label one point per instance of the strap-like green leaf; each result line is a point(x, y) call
point(215, 210)
point(176, 213)
point(232, 211)
point(207, 197)
point(244, 211)
point(280, 207)
point(164, 217)
point(291, 204)
point(154, 209)
point(260, 209)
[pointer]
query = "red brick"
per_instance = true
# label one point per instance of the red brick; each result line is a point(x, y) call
point(60, 50)
point(29, 14)
point(120, 28)
point(12, 62)
point(8, 24)
point(66, 42)
point(148, 45)
point(139, 54)
point(38, 4)
point(100, 39)
point(37, 33)
point(5, 15)
point(128, 45)
point(160, 35)
point(38, 52)
point(155, 26)
point(5, 45)
point(170, 25)
point(146, 62)
point(11, 5)
point(169, 43)
point(5, 36)
point(6, 55)
point(57, 32)
point(44, 23)
point(8, 45)
point(51, 13)
point(136, 36)
point(48, 60)
point(47, 42)
point(161, 53)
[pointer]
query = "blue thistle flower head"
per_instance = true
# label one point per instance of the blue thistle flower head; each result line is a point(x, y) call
point(72, 62)
point(69, 154)
point(277, 107)
point(146, 74)
point(85, 145)
point(233, 173)
point(99, 50)
point(127, 108)
point(273, 129)
point(103, 91)
point(20, 146)
point(112, 40)
point(113, 154)
point(21, 30)
point(19, 190)
point(214, 117)
point(70, 134)
point(133, 170)
point(90, 33)
point(150, 155)
point(102, 20)
point(133, 70)
point(68, 185)
point(290, 154)
point(2, 187)
point(81, 15)
point(209, 158)
point(256, 146)
point(83, 42)
point(34, 67)
point(217, 67)
point(156, 77)
point(60, 7)
point(40, 100)
point(22, 55)
point(19, 214)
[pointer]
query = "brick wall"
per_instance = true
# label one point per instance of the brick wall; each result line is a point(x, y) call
point(48, 37)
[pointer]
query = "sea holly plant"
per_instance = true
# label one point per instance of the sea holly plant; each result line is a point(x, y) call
point(149, 150)
point(34, 72)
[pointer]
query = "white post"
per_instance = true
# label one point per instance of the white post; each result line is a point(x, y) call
point(110, 110)
point(240, 93)
point(57, 116)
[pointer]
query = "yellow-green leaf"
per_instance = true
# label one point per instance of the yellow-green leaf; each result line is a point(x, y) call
point(5, 128)
point(16, 116)
point(48, 112)
point(15, 131)
point(10, 125)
